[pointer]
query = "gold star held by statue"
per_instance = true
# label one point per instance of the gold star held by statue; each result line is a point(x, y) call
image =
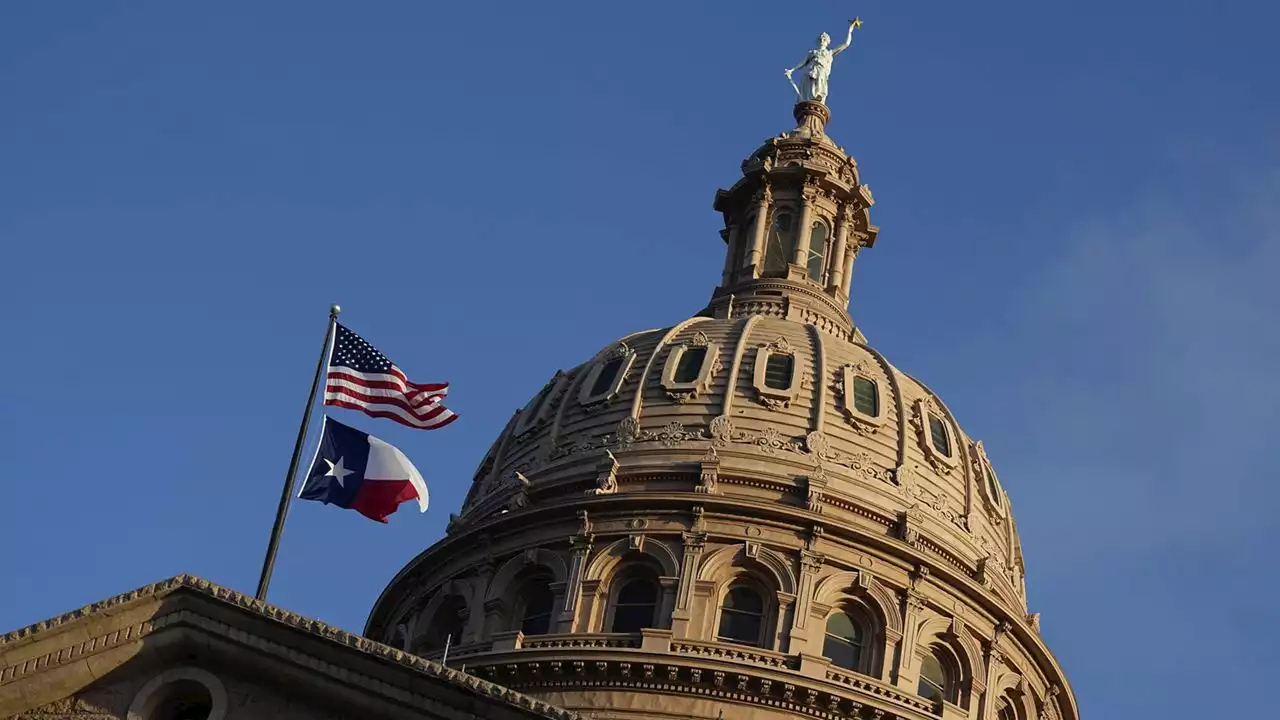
point(856, 23)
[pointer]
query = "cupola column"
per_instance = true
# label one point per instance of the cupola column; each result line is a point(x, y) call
point(756, 257)
point(838, 250)
point(802, 232)
point(730, 235)
point(853, 243)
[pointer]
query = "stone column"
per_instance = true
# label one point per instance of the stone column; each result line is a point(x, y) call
point(581, 543)
point(694, 543)
point(802, 232)
point(755, 258)
point(907, 674)
point(852, 244)
point(810, 566)
point(730, 236)
point(838, 251)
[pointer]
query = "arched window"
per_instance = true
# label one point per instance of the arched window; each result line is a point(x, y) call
point(449, 620)
point(539, 604)
point(819, 233)
point(742, 616)
point(183, 700)
point(1007, 710)
point(635, 607)
point(781, 246)
point(843, 643)
point(937, 678)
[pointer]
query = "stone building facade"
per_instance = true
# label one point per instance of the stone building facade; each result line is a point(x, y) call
point(750, 513)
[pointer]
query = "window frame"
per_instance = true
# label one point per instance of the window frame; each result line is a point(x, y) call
point(519, 618)
point(848, 374)
point(788, 254)
point(864, 644)
point(824, 271)
point(535, 413)
point(586, 398)
point(711, 365)
point(951, 673)
point(989, 483)
point(766, 639)
point(642, 573)
point(774, 398)
point(925, 410)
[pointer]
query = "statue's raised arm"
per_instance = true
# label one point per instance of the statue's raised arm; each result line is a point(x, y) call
point(854, 24)
point(813, 88)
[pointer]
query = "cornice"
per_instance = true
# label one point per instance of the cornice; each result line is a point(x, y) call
point(199, 587)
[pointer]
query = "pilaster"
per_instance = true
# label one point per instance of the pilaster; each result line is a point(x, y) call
point(755, 258)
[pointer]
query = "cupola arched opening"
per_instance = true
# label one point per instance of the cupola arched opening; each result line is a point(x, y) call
point(940, 675)
point(819, 238)
point(780, 247)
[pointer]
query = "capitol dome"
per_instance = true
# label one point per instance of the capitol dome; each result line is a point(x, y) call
point(749, 511)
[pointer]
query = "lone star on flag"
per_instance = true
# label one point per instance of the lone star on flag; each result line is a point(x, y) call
point(337, 471)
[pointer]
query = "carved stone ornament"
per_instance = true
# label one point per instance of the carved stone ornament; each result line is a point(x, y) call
point(780, 345)
point(709, 476)
point(671, 435)
point(607, 480)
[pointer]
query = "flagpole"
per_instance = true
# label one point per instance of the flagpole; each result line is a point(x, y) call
point(286, 494)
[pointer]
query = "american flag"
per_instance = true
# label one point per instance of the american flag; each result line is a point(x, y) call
point(361, 378)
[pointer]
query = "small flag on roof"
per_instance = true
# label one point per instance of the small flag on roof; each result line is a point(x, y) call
point(357, 471)
point(362, 378)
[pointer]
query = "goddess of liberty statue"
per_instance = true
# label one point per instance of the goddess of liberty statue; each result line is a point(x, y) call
point(814, 85)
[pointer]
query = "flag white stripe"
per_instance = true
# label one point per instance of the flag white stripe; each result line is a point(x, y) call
point(388, 462)
point(396, 410)
point(383, 392)
point(386, 378)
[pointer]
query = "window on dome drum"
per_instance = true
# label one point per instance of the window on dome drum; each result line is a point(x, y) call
point(778, 370)
point(634, 609)
point(608, 373)
point(539, 604)
point(690, 364)
point(781, 245)
point(742, 616)
point(1006, 711)
point(866, 396)
point(938, 434)
point(934, 685)
point(818, 236)
point(449, 620)
point(843, 643)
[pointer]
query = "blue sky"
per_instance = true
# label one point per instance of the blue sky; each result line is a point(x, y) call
point(1080, 213)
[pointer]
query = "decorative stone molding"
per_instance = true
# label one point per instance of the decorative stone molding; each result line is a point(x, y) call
point(712, 364)
point(709, 475)
point(923, 409)
point(592, 402)
point(843, 384)
point(607, 478)
point(152, 695)
point(776, 398)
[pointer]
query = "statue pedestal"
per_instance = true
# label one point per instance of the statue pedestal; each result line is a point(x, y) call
point(812, 116)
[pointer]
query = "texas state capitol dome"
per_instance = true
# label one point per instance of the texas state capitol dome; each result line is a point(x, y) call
point(751, 511)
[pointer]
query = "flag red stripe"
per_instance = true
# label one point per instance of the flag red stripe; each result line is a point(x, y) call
point(418, 412)
point(414, 400)
point(374, 380)
point(438, 422)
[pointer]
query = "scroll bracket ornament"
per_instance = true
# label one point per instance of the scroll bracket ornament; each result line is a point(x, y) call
point(607, 479)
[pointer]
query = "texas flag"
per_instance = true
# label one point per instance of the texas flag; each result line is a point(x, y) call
point(357, 471)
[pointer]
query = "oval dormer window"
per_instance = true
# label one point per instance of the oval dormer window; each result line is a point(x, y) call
point(605, 378)
point(689, 366)
point(778, 370)
point(866, 396)
point(939, 436)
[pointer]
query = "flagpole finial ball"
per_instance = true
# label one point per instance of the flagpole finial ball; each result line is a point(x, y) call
point(335, 309)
